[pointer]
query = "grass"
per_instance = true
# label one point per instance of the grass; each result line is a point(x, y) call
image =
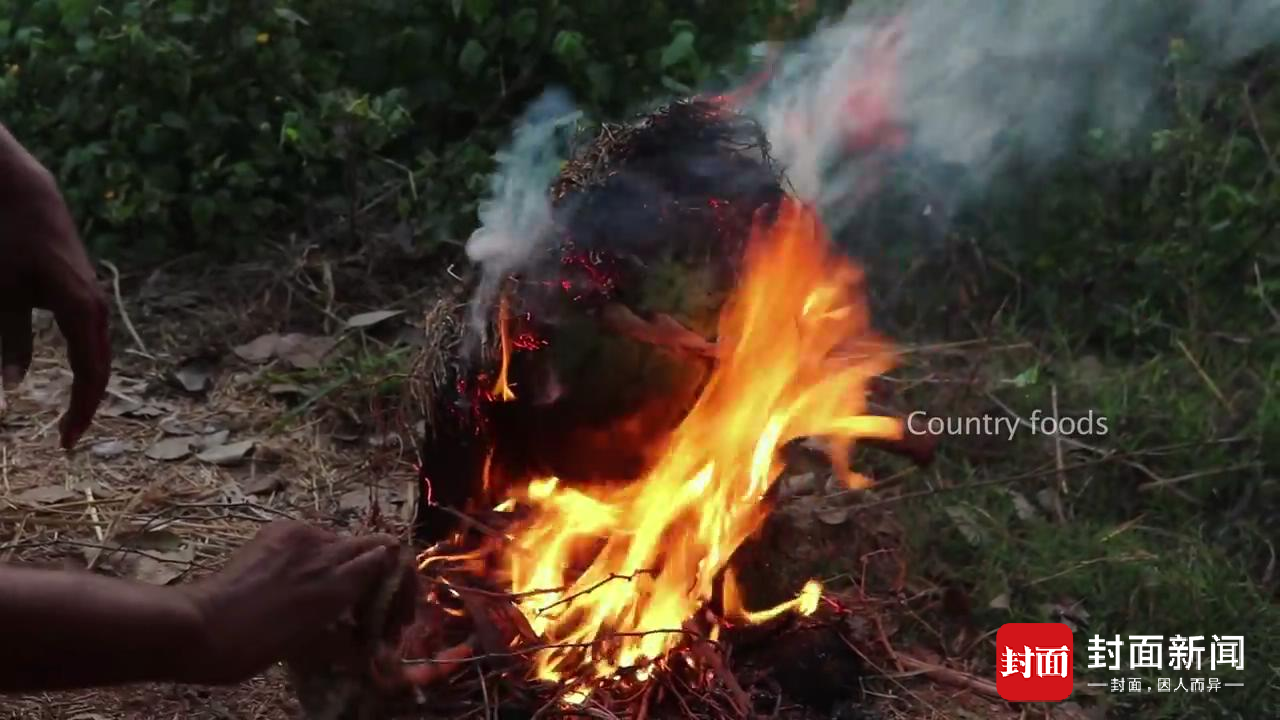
point(1164, 525)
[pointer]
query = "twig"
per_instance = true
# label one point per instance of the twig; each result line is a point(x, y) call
point(1262, 295)
point(93, 513)
point(1166, 482)
point(531, 649)
point(949, 676)
point(612, 576)
point(124, 314)
point(1204, 375)
point(1130, 557)
point(484, 691)
point(738, 697)
point(1057, 458)
point(473, 522)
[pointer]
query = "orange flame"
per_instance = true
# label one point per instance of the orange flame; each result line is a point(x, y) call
point(611, 576)
point(501, 388)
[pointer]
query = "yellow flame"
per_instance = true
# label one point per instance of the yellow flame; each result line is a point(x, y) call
point(611, 575)
point(501, 388)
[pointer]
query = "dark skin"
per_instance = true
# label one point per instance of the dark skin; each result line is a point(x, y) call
point(283, 596)
point(291, 592)
point(45, 266)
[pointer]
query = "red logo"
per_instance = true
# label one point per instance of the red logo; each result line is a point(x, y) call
point(1034, 662)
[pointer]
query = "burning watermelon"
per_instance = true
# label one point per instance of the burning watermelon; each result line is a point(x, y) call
point(610, 338)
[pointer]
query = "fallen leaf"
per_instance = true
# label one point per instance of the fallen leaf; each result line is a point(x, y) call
point(263, 484)
point(150, 410)
point(999, 602)
point(802, 484)
point(160, 567)
point(227, 454)
point(304, 352)
point(195, 376)
point(211, 440)
point(173, 448)
point(833, 516)
point(44, 495)
point(285, 389)
point(1022, 506)
point(361, 499)
point(174, 426)
point(369, 319)
point(110, 449)
point(967, 524)
point(258, 350)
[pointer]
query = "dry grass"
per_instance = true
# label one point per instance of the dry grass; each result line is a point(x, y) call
point(110, 507)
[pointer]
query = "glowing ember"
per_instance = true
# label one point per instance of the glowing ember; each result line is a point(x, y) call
point(611, 576)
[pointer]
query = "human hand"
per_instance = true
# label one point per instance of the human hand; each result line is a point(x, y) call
point(45, 266)
point(284, 596)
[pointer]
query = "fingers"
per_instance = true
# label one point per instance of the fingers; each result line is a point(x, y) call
point(15, 345)
point(358, 576)
point(82, 318)
point(404, 604)
point(347, 548)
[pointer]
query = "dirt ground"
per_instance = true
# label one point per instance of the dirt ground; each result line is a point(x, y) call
point(189, 455)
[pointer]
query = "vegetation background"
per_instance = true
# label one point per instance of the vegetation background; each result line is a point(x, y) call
point(1139, 278)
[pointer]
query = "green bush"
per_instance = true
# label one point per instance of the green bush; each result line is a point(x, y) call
point(178, 124)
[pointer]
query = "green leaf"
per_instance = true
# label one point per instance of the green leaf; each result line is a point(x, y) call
point(523, 26)
point(676, 86)
point(568, 47)
point(1026, 377)
point(472, 57)
point(679, 50)
point(174, 120)
point(478, 10)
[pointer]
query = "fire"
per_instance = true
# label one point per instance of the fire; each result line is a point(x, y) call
point(614, 578)
point(501, 388)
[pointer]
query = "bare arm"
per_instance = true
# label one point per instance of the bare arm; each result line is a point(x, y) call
point(280, 597)
point(70, 629)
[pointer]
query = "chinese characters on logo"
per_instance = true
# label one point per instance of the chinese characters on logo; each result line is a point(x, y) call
point(1180, 654)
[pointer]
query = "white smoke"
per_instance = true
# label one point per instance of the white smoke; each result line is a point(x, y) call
point(515, 218)
point(974, 83)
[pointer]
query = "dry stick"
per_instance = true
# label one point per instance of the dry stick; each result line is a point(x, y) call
point(1057, 457)
point(124, 314)
point(981, 483)
point(1204, 375)
point(643, 712)
point(531, 649)
point(612, 576)
point(1102, 454)
point(949, 676)
point(1166, 482)
point(473, 522)
point(484, 691)
point(1262, 295)
point(738, 697)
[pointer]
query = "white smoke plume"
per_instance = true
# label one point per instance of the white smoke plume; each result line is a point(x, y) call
point(966, 84)
point(515, 219)
point(971, 84)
